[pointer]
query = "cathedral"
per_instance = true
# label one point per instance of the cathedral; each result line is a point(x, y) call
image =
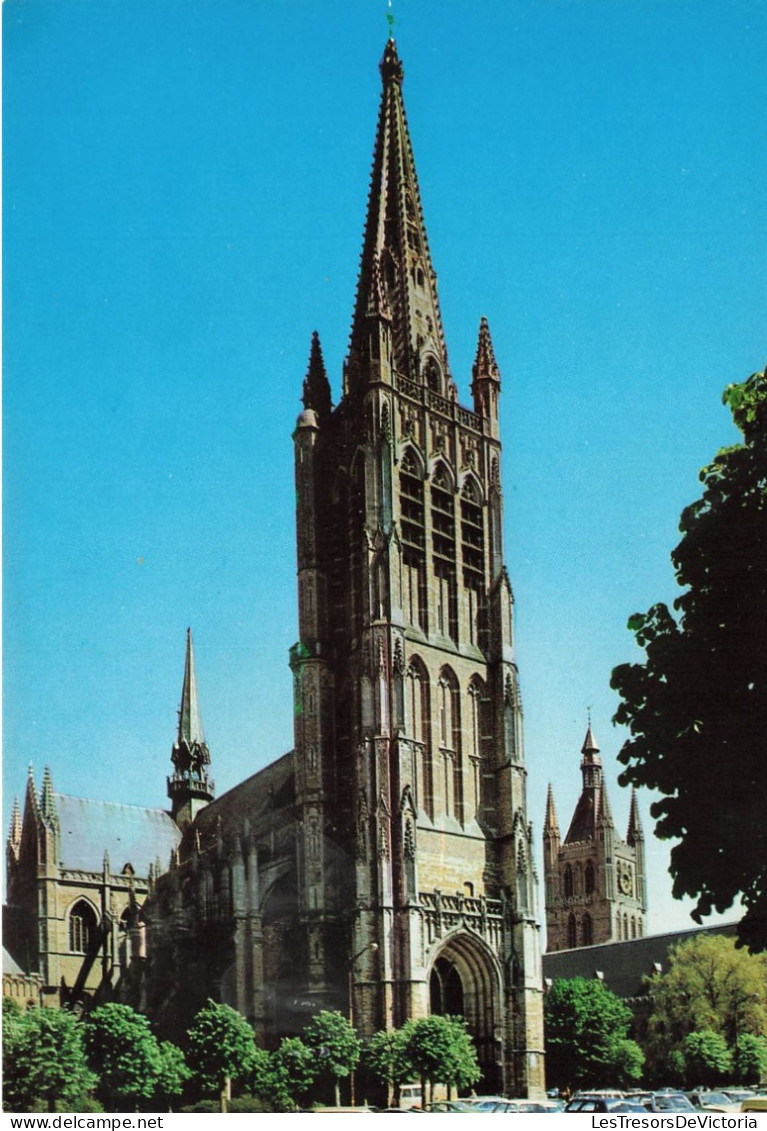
point(596, 886)
point(384, 866)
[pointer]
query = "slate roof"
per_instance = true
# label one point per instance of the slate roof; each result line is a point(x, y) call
point(622, 966)
point(130, 834)
point(10, 966)
point(255, 799)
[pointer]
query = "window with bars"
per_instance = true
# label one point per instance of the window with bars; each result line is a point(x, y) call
point(82, 928)
point(443, 545)
point(413, 542)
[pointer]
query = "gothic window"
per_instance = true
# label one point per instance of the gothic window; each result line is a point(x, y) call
point(625, 926)
point(443, 543)
point(432, 376)
point(572, 936)
point(450, 743)
point(418, 726)
point(568, 881)
point(590, 879)
point(473, 554)
point(633, 927)
point(578, 878)
point(413, 542)
point(356, 525)
point(587, 931)
point(82, 928)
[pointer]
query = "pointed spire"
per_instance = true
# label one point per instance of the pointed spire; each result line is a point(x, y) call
point(589, 748)
point(485, 366)
point(605, 815)
point(14, 833)
point(47, 800)
point(316, 393)
point(191, 749)
point(550, 824)
point(634, 832)
point(396, 282)
point(31, 797)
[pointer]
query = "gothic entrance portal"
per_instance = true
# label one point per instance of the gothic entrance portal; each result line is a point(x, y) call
point(465, 981)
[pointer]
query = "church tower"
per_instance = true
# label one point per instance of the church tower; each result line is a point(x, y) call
point(189, 788)
point(596, 888)
point(416, 876)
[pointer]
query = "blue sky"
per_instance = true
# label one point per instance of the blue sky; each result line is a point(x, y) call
point(184, 193)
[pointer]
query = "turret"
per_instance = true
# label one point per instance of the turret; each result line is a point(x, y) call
point(486, 379)
point(189, 788)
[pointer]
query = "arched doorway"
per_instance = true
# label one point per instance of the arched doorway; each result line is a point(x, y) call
point(465, 981)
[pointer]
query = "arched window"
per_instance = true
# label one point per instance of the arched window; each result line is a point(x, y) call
point(444, 556)
point(568, 881)
point(572, 938)
point(587, 931)
point(418, 724)
point(590, 878)
point(413, 542)
point(633, 927)
point(83, 924)
point(578, 878)
point(450, 743)
point(473, 555)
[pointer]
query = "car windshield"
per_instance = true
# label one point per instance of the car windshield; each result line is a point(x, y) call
point(714, 1098)
point(672, 1103)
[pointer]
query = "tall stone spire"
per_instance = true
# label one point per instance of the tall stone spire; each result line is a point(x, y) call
point(13, 844)
point(47, 800)
point(189, 788)
point(397, 283)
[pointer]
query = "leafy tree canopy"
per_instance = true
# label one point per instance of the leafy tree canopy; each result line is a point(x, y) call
point(440, 1050)
point(292, 1069)
point(750, 1058)
point(587, 1039)
point(707, 1058)
point(44, 1063)
point(709, 985)
point(221, 1047)
point(173, 1072)
point(335, 1043)
point(124, 1053)
point(386, 1058)
point(697, 707)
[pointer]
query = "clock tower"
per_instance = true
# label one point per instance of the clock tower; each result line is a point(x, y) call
point(596, 887)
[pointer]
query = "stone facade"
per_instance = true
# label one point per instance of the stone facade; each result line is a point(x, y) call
point(596, 885)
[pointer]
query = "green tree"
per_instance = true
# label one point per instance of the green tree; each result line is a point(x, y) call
point(587, 1040)
point(221, 1049)
point(386, 1058)
point(708, 1060)
point(173, 1074)
point(711, 985)
point(123, 1052)
point(697, 706)
point(441, 1051)
point(44, 1063)
point(337, 1047)
point(749, 1062)
point(295, 1068)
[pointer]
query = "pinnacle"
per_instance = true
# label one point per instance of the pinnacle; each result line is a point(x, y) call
point(634, 832)
point(14, 835)
point(589, 743)
point(485, 365)
point(316, 391)
point(550, 823)
point(47, 802)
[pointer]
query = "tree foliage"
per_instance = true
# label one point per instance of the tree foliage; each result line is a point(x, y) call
point(221, 1048)
point(697, 707)
point(336, 1045)
point(441, 1050)
point(387, 1060)
point(749, 1062)
point(123, 1051)
point(44, 1062)
point(587, 1041)
point(708, 1060)
point(173, 1073)
point(292, 1069)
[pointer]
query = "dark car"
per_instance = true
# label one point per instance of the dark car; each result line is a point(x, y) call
point(598, 1103)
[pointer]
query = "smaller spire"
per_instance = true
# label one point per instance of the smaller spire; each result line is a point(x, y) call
point(605, 815)
point(550, 824)
point(47, 800)
point(634, 832)
point(316, 392)
point(589, 748)
point(191, 746)
point(485, 366)
point(14, 833)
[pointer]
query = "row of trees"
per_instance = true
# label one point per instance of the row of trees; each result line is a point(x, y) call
point(701, 1022)
point(111, 1059)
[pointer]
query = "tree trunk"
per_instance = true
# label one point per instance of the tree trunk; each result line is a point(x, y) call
point(338, 1090)
point(226, 1093)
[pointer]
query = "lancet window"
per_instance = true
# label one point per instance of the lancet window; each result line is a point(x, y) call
point(418, 726)
point(473, 554)
point(82, 927)
point(413, 542)
point(443, 544)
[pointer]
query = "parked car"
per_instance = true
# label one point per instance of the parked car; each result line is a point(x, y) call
point(712, 1101)
point(754, 1103)
point(597, 1102)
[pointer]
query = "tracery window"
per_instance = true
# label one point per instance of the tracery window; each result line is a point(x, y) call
point(572, 935)
point(568, 881)
point(413, 542)
point(443, 544)
point(590, 879)
point(419, 728)
point(473, 554)
point(82, 927)
point(587, 931)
